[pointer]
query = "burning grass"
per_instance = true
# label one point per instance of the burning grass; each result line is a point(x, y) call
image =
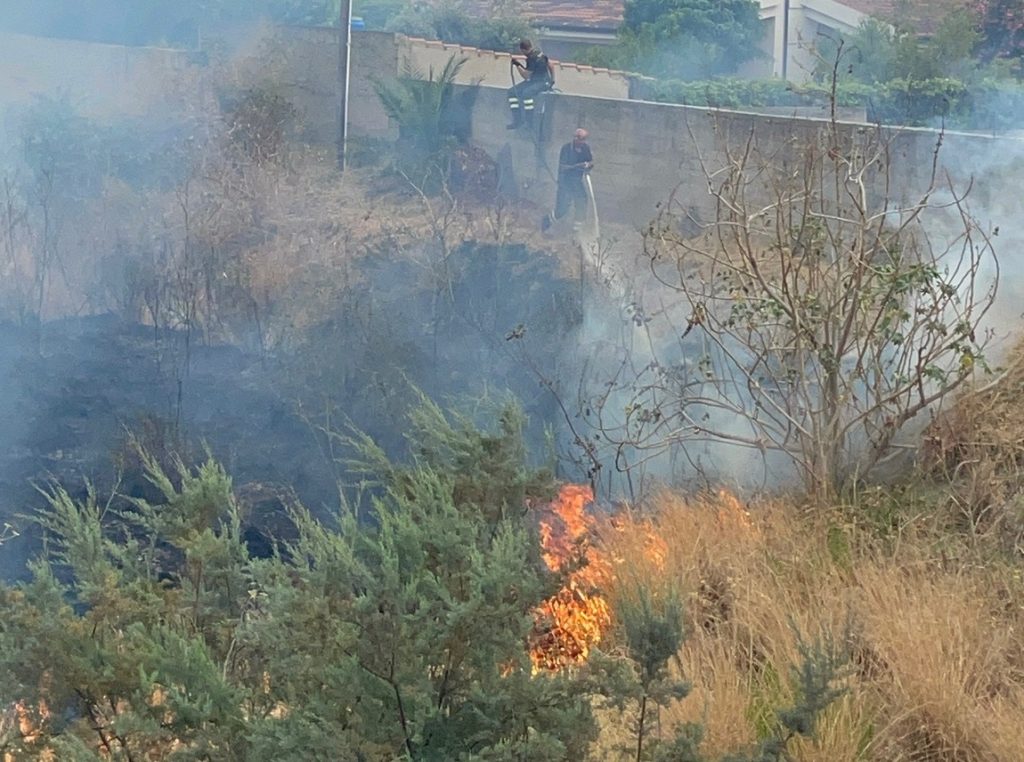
point(937, 639)
point(573, 621)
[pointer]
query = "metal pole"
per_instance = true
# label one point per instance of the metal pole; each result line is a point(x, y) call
point(344, 59)
point(785, 40)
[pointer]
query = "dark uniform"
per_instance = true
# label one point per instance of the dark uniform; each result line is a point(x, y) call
point(571, 191)
point(521, 96)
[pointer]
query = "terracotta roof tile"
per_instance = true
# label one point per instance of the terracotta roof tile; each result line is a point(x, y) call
point(597, 15)
point(606, 15)
point(922, 15)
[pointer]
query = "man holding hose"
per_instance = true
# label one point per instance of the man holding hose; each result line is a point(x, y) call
point(574, 161)
point(538, 75)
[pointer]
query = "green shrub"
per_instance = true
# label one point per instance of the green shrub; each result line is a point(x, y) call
point(450, 22)
point(991, 105)
point(682, 38)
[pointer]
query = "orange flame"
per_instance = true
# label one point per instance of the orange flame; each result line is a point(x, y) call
point(732, 513)
point(571, 622)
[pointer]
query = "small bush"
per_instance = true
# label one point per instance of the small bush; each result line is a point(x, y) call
point(451, 23)
point(258, 121)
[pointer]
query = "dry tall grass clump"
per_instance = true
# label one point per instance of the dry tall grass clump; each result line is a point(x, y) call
point(977, 446)
point(936, 640)
point(948, 653)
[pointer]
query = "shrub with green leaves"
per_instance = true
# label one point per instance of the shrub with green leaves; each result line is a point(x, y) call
point(148, 628)
point(150, 631)
point(683, 38)
point(654, 634)
point(824, 664)
point(429, 114)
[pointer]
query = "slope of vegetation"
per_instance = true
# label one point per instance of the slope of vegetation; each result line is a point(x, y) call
point(456, 602)
point(879, 628)
point(932, 623)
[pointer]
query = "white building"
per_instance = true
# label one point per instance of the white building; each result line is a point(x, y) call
point(567, 25)
point(794, 30)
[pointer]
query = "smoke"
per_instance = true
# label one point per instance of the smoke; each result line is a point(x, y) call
point(106, 21)
point(985, 168)
point(241, 285)
point(637, 376)
point(637, 365)
point(178, 24)
point(196, 275)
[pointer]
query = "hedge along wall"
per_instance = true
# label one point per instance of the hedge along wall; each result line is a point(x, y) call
point(989, 106)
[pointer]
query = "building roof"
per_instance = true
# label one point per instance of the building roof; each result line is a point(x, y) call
point(596, 15)
point(606, 15)
point(922, 15)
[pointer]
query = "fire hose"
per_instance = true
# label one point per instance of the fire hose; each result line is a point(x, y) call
point(593, 205)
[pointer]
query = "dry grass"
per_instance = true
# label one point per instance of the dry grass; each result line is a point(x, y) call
point(937, 639)
point(267, 244)
point(977, 447)
point(313, 224)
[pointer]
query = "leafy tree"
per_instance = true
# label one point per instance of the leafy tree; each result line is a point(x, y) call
point(311, 12)
point(1001, 25)
point(900, 76)
point(879, 52)
point(684, 38)
point(377, 14)
point(906, 78)
point(455, 22)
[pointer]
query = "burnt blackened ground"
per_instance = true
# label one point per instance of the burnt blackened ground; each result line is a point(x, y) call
point(71, 396)
point(501, 323)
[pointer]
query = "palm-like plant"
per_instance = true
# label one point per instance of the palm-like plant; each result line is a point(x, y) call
point(423, 109)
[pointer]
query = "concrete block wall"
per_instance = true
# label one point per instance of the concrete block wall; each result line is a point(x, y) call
point(101, 81)
point(117, 81)
point(375, 55)
point(645, 151)
point(302, 63)
point(297, 63)
point(490, 67)
point(641, 153)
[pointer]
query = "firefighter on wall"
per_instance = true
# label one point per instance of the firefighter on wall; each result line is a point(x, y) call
point(538, 75)
point(574, 162)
